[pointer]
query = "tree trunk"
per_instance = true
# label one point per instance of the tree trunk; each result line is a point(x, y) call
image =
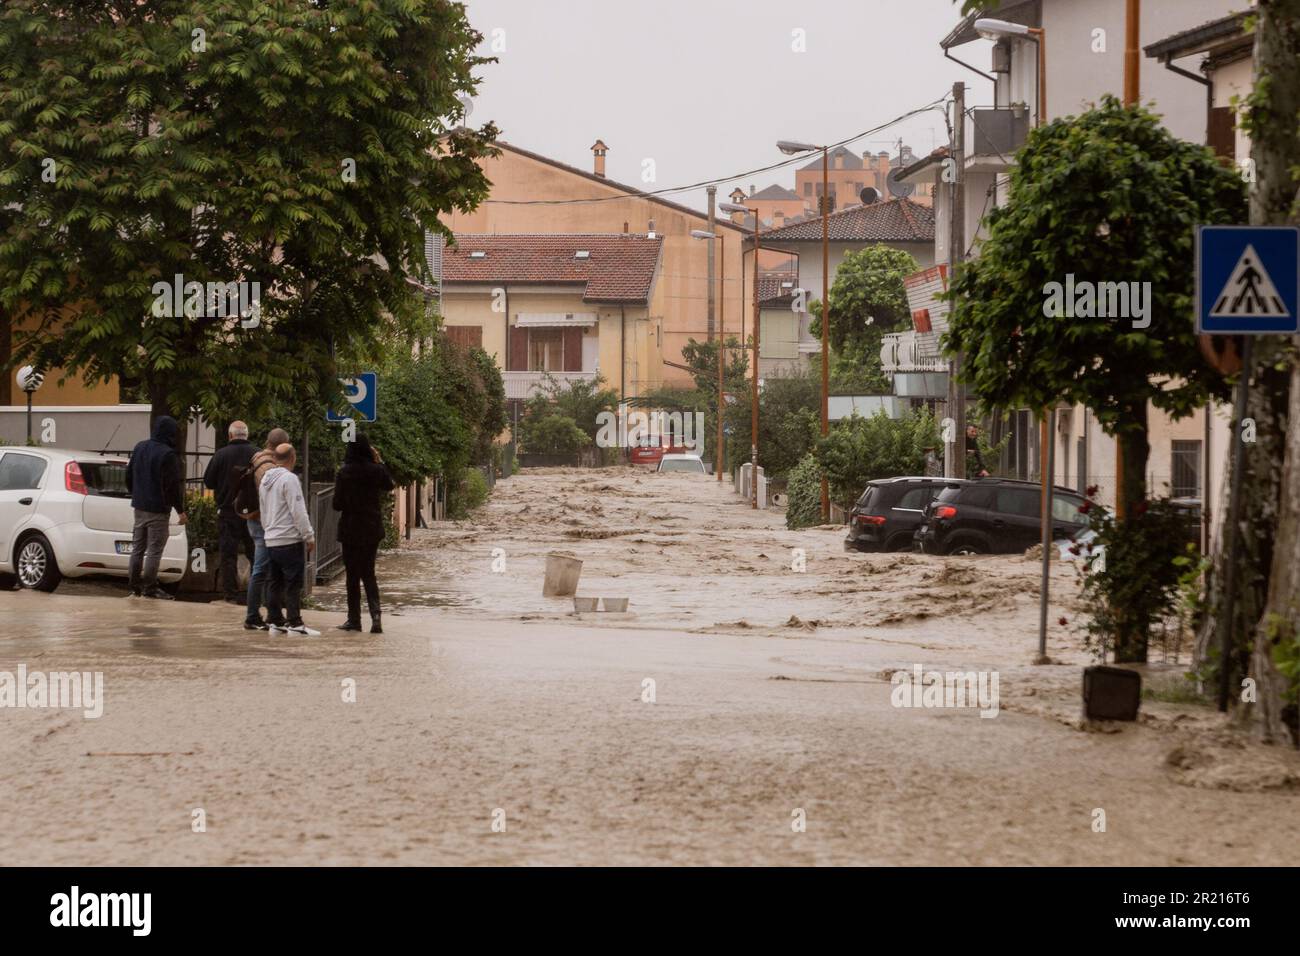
point(1276, 150)
point(1268, 535)
point(1131, 635)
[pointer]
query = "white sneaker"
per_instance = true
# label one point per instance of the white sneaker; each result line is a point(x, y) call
point(302, 629)
point(278, 628)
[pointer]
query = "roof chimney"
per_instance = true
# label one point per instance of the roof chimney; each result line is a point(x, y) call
point(599, 149)
point(751, 189)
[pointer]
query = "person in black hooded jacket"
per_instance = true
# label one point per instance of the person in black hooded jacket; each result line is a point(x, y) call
point(156, 482)
point(359, 493)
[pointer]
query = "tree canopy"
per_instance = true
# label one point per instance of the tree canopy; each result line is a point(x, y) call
point(304, 147)
point(1106, 197)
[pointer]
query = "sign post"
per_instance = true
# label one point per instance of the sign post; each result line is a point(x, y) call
point(1247, 284)
point(362, 393)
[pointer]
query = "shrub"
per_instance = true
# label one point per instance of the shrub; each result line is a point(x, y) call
point(804, 494)
point(469, 494)
point(552, 435)
point(1138, 584)
point(387, 507)
point(201, 523)
point(859, 450)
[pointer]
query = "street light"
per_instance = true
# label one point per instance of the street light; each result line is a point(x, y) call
point(753, 418)
point(722, 341)
point(991, 29)
point(29, 380)
point(793, 148)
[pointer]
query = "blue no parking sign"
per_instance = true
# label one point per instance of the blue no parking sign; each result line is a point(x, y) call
point(1247, 280)
point(362, 393)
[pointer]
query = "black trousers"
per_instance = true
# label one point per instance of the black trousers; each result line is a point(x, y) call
point(233, 537)
point(359, 564)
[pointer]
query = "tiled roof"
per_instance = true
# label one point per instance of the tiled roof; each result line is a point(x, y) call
point(775, 191)
point(619, 268)
point(773, 288)
point(897, 220)
point(849, 160)
point(1199, 38)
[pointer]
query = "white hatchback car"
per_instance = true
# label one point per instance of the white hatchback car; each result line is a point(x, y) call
point(67, 513)
point(687, 463)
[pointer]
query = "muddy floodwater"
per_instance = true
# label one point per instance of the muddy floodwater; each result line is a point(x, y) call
point(741, 711)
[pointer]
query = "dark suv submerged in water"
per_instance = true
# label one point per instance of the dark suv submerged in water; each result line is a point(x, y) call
point(889, 512)
point(996, 516)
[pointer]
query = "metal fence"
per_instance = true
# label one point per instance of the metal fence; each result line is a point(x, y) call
point(325, 522)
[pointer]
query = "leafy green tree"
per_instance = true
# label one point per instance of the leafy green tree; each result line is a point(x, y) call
point(305, 147)
point(1106, 197)
point(582, 401)
point(868, 298)
point(702, 358)
point(789, 422)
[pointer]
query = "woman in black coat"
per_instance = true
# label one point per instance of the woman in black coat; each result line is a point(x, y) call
point(359, 493)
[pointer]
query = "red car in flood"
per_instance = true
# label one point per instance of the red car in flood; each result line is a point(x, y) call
point(651, 454)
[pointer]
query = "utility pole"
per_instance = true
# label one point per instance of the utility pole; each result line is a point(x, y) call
point(954, 459)
point(753, 424)
point(1132, 84)
point(722, 356)
point(713, 223)
point(826, 322)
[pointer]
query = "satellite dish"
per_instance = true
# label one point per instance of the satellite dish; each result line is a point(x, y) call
point(869, 195)
point(898, 189)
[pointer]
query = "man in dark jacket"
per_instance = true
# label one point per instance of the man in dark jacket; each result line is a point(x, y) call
point(157, 485)
point(222, 477)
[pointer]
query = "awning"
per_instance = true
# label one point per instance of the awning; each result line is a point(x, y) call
point(553, 319)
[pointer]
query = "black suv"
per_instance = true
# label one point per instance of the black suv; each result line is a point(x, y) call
point(889, 511)
point(996, 516)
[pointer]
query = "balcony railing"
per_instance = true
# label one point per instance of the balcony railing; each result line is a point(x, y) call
point(524, 385)
point(993, 134)
point(901, 352)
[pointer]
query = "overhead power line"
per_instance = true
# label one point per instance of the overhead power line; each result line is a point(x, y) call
point(671, 190)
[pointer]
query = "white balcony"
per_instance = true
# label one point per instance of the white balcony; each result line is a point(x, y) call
point(903, 352)
point(524, 385)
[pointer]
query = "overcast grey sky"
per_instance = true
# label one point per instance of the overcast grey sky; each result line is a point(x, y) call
point(705, 88)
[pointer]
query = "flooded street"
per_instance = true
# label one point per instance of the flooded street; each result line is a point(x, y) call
point(485, 702)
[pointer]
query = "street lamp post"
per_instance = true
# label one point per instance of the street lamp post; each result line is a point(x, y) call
point(29, 380)
point(753, 422)
point(792, 148)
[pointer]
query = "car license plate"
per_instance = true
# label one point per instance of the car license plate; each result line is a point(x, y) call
point(123, 547)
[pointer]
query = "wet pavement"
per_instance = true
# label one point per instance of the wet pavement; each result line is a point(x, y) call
point(485, 702)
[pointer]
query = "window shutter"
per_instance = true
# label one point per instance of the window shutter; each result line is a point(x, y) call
point(573, 349)
point(518, 349)
point(466, 336)
point(1222, 133)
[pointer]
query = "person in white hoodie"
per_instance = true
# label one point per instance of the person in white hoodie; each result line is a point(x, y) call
point(289, 541)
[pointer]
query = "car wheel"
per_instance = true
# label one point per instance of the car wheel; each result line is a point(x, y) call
point(36, 565)
point(966, 547)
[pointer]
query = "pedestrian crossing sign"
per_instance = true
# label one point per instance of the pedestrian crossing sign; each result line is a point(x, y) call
point(1247, 280)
